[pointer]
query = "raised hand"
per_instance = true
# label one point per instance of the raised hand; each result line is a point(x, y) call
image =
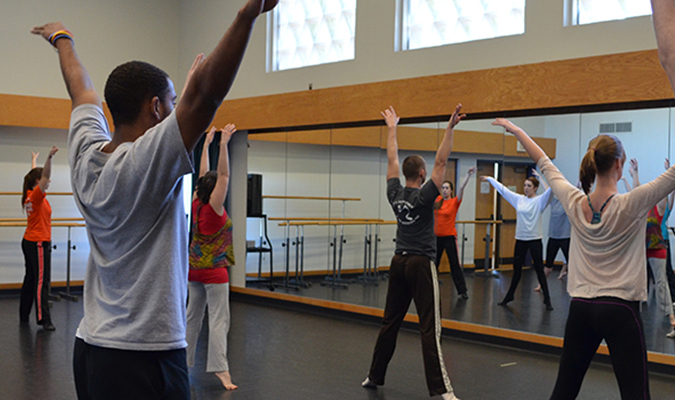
point(666, 164)
point(509, 126)
point(226, 133)
point(633, 169)
point(254, 8)
point(456, 117)
point(196, 63)
point(208, 139)
point(471, 171)
point(53, 151)
point(46, 30)
point(483, 178)
point(390, 117)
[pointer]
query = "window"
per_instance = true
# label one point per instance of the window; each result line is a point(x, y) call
point(592, 11)
point(429, 23)
point(311, 32)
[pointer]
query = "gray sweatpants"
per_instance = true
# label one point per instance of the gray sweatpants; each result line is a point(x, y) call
point(217, 296)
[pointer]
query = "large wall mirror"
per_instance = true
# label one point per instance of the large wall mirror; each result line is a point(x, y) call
point(324, 194)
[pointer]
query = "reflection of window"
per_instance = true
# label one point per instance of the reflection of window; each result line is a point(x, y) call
point(310, 32)
point(591, 11)
point(429, 23)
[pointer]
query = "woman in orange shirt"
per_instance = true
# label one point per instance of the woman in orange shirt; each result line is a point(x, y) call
point(36, 243)
point(445, 213)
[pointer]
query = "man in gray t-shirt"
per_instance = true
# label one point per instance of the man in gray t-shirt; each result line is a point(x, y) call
point(412, 274)
point(128, 186)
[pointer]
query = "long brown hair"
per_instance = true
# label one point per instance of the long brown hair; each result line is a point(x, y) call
point(602, 152)
point(439, 204)
point(29, 181)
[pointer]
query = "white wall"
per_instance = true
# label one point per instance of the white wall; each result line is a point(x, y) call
point(170, 33)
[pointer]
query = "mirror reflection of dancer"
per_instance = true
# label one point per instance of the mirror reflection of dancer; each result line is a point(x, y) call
point(606, 279)
point(529, 208)
point(445, 214)
point(412, 275)
point(558, 239)
point(36, 243)
point(211, 253)
point(657, 248)
point(128, 186)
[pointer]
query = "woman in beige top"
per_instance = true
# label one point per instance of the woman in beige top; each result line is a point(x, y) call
point(607, 279)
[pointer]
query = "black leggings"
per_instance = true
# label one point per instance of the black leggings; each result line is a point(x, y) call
point(36, 282)
point(535, 247)
point(552, 247)
point(616, 321)
point(449, 245)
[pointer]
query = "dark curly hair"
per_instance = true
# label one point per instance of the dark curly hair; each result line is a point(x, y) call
point(129, 86)
point(205, 186)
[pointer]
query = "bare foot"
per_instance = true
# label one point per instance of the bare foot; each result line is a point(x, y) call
point(563, 271)
point(226, 380)
point(537, 289)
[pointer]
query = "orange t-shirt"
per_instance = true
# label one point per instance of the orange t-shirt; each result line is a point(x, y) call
point(39, 214)
point(445, 217)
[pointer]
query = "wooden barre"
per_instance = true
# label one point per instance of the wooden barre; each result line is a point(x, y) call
point(480, 222)
point(311, 198)
point(57, 224)
point(48, 193)
point(322, 219)
point(53, 219)
point(332, 223)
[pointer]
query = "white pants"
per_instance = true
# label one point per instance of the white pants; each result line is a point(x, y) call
point(217, 296)
point(658, 266)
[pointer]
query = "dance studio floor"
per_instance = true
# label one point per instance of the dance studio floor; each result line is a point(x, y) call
point(285, 354)
point(526, 313)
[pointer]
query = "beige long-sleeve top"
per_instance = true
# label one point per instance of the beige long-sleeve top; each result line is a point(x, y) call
point(608, 259)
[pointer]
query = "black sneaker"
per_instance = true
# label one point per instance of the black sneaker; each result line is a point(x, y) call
point(464, 296)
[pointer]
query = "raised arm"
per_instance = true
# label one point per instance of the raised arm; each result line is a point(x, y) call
point(78, 83)
point(211, 80)
point(633, 171)
point(531, 147)
point(393, 164)
point(445, 148)
point(34, 157)
point(626, 184)
point(220, 190)
point(204, 163)
point(465, 180)
point(541, 179)
point(47, 171)
point(664, 25)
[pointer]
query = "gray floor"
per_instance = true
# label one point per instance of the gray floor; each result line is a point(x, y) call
point(526, 313)
point(282, 354)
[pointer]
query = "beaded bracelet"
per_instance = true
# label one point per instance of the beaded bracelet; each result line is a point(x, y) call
point(59, 35)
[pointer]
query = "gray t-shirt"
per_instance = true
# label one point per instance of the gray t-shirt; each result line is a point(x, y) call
point(559, 224)
point(414, 210)
point(136, 280)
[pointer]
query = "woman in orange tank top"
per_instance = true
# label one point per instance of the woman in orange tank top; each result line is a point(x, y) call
point(445, 214)
point(36, 243)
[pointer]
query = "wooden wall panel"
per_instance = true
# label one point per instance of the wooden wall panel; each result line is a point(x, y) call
point(477, 142)
point(367, 136)
point(615, 78)
point(546, 144)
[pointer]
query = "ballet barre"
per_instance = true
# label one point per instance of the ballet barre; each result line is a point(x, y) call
point(48, 193)
point(487, 271)
point(334, 279)
point(69, 225)
point(299, 282)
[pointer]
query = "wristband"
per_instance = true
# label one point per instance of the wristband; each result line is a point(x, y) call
point(59, 35)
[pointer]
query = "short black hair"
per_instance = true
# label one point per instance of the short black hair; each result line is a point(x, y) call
point(129, 86)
